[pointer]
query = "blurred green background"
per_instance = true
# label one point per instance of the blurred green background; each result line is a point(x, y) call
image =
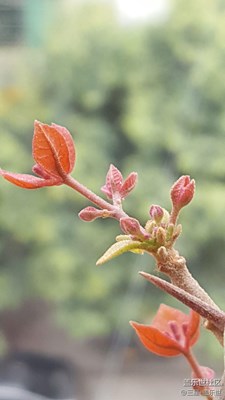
point(147, 96)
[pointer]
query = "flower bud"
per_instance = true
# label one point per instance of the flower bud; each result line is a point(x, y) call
point(166, 217)
point(203, 384)
point(177, 232)
point(156, 212)
point(161, 236)
point(131, 226)
point(89, 214)
point(170, 231)
point(162, 253)
point(150, 226)
point(207, 373)
point(182, 191)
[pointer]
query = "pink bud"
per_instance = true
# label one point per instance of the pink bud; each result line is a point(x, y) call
point(89, 214)
point(207, 373)
point(160, 235)
point(182, 191)
point(205, 383)
point(131, 226)
point(156, 212)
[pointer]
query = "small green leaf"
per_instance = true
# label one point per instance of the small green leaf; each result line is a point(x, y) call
point(119, 248)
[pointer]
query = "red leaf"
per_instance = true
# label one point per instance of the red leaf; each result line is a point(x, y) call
point(54, 153)
point(193, 331)
point(171, 332)
point(116, 185)
point(53, 149)
point(129, 184)
point(29, 181)
point(69, 143)
point(115, 178)
point(113, 182)
point(156, 341)
point(38, 170)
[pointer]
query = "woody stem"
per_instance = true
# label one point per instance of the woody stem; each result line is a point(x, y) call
point(170, 263)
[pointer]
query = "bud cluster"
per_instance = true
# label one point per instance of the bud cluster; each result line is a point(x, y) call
point(160, 228)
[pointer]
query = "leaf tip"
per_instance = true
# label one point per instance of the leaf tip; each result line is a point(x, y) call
point(99, 262)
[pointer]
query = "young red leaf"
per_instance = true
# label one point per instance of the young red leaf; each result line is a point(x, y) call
point(54, 153)
point(53, 149)
point(129, 184)
point(69, 145)
point(115, 186)
point(155, 341)
point(29, 181)
point(38, 170)
point(115, 178)
point(113, 181)
point(171, 333)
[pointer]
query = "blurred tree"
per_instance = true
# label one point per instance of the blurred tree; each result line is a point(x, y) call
point(147, 98)
point(175, 115)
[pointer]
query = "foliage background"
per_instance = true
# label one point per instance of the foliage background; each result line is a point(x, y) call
point(146, 97)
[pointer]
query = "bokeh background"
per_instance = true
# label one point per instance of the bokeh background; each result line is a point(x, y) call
point(142, 87)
